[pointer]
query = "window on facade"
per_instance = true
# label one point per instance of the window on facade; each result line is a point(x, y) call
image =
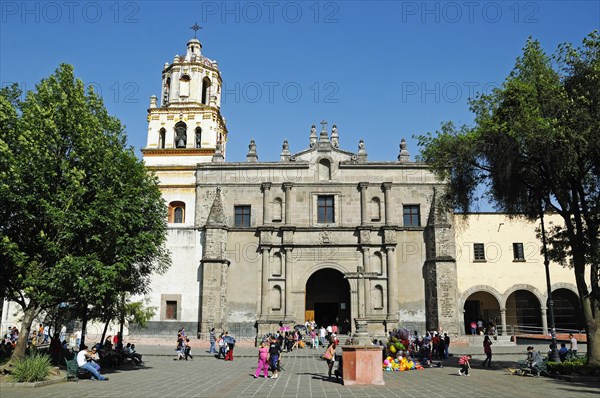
point(166, 91)
point(171, 310)
point(377, 263)
point(325, 209)
point(176, 212)
point(242, 216)
point(198, 137)
point(206, 90)
point(412, 216)
point(478, 252)
point(519, 254)
point(184, 86)
point(161, 138)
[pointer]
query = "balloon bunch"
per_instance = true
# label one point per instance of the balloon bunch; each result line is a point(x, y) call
point(400, 365)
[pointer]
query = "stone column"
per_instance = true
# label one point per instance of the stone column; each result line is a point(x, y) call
point(362, 187)
point(392, 272)
point(503, 321)
point(544, 322)
point(366, 281)
point(287, 188)
point(265, 187)
point(386, 186)
point(264, 300)
point(288, 281)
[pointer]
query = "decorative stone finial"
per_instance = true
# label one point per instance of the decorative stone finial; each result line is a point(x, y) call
point(324, 137)
point(335, 138)
point(218, 155)
point(153, 100)
point(404, 156)
point(285, 152)
point(313, 136)
point(252, 156)
point(362, 152)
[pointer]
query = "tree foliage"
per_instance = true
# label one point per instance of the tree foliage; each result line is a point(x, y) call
point(81, 220)
point(535, 144)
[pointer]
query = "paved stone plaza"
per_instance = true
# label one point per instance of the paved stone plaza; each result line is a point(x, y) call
point(304, 376)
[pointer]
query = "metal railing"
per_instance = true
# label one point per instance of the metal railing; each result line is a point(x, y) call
point(514, 330)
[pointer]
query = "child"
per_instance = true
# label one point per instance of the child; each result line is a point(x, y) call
point(263, 357)
point(188, 349)
point(465, 363)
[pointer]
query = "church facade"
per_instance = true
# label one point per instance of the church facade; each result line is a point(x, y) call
point(321, 234)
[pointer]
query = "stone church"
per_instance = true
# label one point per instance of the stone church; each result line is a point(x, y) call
point(321, 234)
point(324, 234)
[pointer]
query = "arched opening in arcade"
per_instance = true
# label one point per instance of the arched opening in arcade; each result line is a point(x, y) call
point(481, 306)
point(328, 299)
point(567, 311)
point(523, 312)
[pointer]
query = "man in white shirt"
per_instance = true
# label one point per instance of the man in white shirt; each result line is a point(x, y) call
point(573, 346)
point(82, 361)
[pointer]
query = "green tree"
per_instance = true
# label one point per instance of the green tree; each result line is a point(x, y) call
point(82, 220)
point(535, 144)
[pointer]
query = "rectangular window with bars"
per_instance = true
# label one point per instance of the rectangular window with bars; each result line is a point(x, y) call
point(478, 252)
point(325, 209)
point(518, 252)
point(242, 216)
point(412, 216)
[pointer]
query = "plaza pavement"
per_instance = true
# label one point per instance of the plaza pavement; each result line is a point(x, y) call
point(304, 376)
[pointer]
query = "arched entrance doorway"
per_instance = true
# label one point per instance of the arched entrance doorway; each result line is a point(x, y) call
point(328, 298)
point(567, 310)
point(523, 310)
point(481, 306)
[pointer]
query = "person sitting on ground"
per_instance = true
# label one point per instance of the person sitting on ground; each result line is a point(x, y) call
point(534, 359)
point(82, 361)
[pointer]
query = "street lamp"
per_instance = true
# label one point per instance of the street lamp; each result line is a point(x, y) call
point(553, 356)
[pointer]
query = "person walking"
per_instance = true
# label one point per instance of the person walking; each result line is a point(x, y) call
point(329, 356)
point(212, 340)
point(263, 361)
point(487, 349)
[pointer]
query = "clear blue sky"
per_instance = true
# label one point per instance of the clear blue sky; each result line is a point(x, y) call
point(381, 71)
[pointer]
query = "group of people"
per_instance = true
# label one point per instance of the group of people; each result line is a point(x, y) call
point(480, 327)
point(184, 347)
point(271, 347)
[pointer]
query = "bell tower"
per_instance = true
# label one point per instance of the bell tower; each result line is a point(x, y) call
point(185, 126)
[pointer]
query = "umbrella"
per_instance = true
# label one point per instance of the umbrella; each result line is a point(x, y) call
point(300, 327)
point(284, 329)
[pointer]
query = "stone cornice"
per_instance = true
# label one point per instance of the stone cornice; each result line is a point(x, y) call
point(178, 151)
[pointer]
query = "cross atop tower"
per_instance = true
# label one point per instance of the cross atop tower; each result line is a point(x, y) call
point(195, 28)
point(324, 124)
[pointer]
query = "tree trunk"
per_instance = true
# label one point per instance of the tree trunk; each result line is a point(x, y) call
point(104, 332)
point(28, 315)
point(593, 331)
point(83, 325)
point(122, 321)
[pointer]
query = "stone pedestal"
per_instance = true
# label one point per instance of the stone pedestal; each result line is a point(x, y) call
point(362, 365)
point(361, 334)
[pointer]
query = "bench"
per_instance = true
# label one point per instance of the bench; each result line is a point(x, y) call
point(72, 369)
